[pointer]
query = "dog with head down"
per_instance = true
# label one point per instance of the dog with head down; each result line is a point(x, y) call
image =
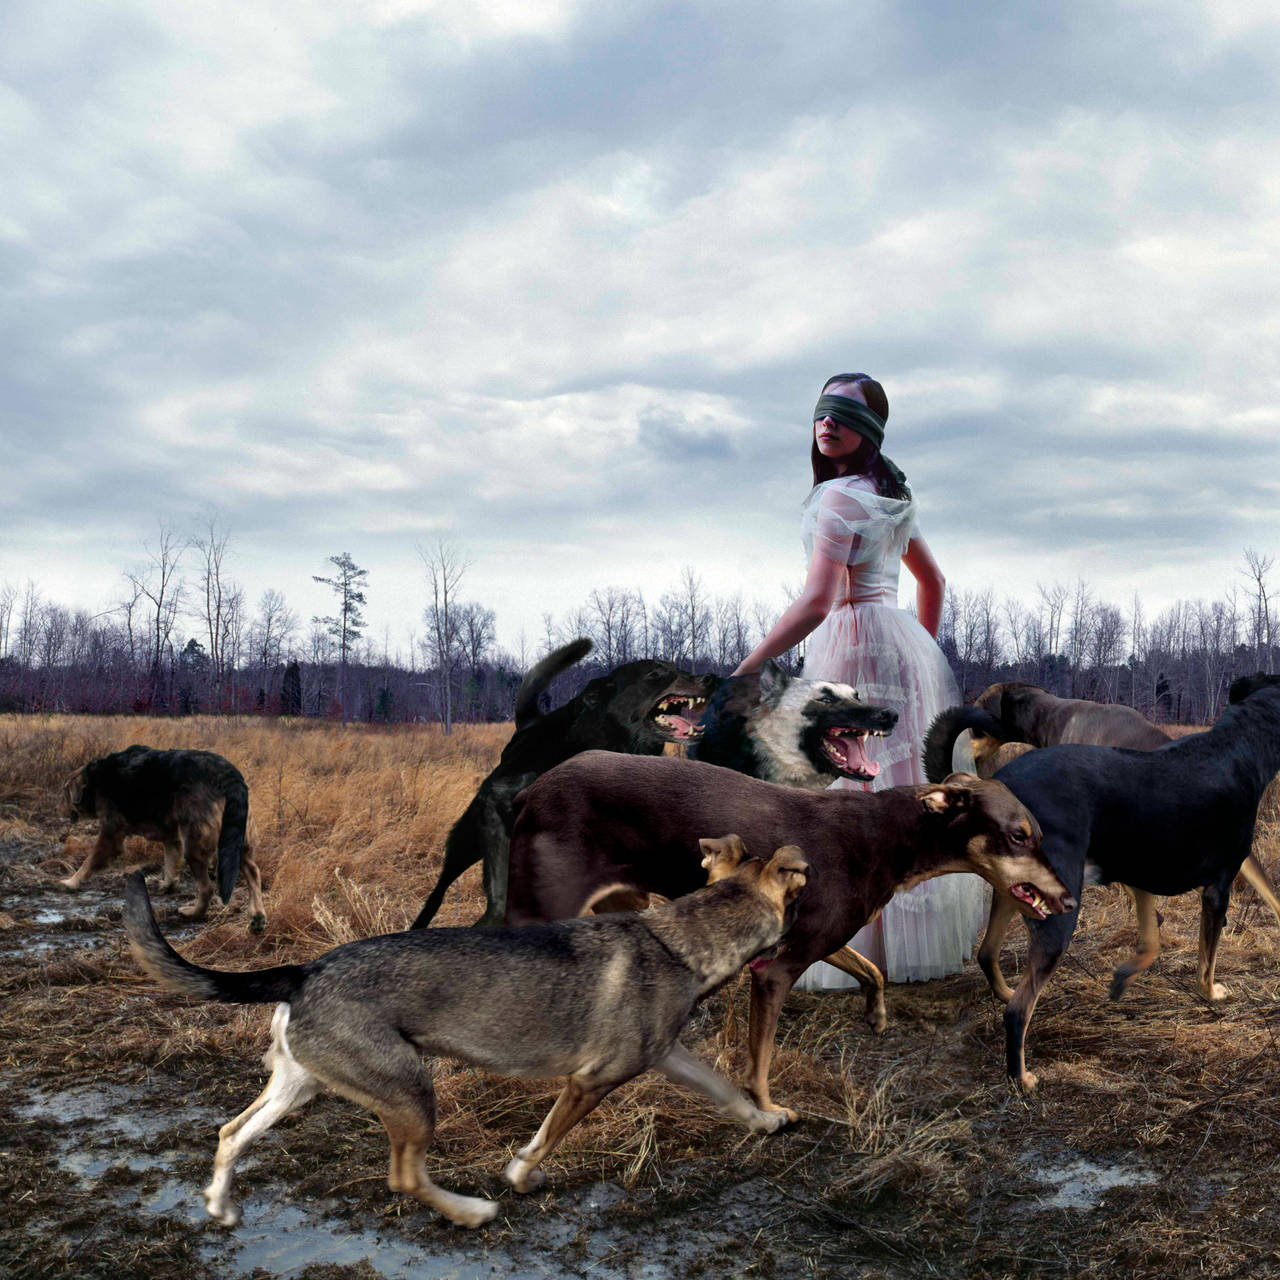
point(601, 823)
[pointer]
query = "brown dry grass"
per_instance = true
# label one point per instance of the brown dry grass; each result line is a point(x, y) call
point(351, 820)
point(914, 1150)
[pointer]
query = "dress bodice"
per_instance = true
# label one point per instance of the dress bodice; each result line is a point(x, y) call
point(847, 520)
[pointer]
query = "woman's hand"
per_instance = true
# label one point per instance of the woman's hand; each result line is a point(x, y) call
point(801, 616)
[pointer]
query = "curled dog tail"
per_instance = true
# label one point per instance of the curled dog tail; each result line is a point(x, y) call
point(947, 726)
point(235, 816)
point(535, 683)
point(169, 969)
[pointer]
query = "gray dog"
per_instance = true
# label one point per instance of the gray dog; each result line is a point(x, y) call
point(600, 999)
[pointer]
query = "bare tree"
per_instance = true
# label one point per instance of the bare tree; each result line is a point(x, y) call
point(445, 569)
point(8, 598)
point(220, 611)
point(1262, 624)
point(160, 584)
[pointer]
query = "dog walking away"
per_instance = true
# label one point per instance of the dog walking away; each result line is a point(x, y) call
point(638, 707)
point(600, 999)
point(602, 823)
point(195, 803)
point(781, 728)
point(1165, 822)
point(1014, 712)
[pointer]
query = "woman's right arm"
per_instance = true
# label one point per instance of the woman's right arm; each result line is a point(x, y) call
point(802, 615)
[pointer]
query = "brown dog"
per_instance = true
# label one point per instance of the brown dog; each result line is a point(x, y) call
point(604, 821)
point(1002, 719)
point(194, 802)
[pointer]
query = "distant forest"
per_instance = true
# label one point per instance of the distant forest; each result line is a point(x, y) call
point(183, 640)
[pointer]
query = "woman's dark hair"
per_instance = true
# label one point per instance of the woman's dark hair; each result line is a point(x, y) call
point(865, 460)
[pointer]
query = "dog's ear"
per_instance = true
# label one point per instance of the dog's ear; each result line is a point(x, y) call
point(773, 680)
point(721, 855)
point(1243, 686)
point(953, 795)
point(74, 790)
point(790, 869)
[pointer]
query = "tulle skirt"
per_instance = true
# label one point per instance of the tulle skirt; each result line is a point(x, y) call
point(884, 653)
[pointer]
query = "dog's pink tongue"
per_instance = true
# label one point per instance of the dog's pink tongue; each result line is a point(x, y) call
point(759, 964)
point(855, 757)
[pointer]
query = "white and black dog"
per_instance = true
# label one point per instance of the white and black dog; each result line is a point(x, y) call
point(786, 729)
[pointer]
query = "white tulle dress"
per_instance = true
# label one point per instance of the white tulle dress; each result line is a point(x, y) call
point(883, 652)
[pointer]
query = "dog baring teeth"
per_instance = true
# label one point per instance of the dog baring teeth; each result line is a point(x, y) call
point(1025, 893)
point(844, 747)
point(680, 716)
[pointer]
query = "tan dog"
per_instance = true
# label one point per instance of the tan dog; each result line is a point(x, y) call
point(599, 998)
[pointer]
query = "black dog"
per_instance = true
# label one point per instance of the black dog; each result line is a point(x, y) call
point(781, 728)
point(1016, 712)
point(195, 802)
point(637, 708)
point(1165, 821)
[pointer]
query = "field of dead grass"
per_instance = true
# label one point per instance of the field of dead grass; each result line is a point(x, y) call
point(915, 1158)
point(351, 820)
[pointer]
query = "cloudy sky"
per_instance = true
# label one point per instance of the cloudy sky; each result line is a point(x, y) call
point(559, 280)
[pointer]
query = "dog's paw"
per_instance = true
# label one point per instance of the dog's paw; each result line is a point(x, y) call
point(258, 923)
point(471, 1211)
point(1215, 991)
point(523, 1178)
point(773, 1119)
point(1027, 1081)
point(193, 912)
point(166, 886)
point(225, 1211)
point(877, 1020)
point(70, 884)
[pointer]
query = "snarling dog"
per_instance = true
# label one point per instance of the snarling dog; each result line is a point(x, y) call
point(1015, 712)
point(638, 708)
point(195, 803)
point(601, 822)
point(1165, 822)
point(781, 728)
point(600, 999)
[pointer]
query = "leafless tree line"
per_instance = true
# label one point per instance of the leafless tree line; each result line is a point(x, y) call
point(177, 644)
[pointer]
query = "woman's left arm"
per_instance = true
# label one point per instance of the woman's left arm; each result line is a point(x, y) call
point(930, 584)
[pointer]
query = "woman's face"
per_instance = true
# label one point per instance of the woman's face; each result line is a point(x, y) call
point(834, 440)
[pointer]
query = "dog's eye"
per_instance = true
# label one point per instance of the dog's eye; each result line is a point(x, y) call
point(1019, 837)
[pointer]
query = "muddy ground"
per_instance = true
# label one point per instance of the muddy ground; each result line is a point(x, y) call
point(1151, 1149)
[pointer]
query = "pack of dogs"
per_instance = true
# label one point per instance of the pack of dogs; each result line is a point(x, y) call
point(657, 833)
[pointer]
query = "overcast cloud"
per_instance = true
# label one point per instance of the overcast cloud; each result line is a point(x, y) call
point(560, 282)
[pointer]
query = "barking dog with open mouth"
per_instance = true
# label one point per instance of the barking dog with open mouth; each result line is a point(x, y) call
point(1015, 712)
point(195, 803)
point(601, 823)
point(600, 999)
point(781, 728)
point(1164, 821)
point(638, 708)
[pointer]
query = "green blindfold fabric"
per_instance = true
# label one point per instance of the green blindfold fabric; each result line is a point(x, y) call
point(852, 414)
point(866, 422)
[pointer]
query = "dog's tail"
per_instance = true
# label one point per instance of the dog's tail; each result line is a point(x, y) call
point(235, 816)
point(947, 726)
point(535, 683)
point(169, 969)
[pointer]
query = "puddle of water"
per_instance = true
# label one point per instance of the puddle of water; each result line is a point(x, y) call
point(290, 1238)
point(1080, 1183)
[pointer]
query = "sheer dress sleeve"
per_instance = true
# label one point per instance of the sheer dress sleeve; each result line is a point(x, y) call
point(848, 529)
